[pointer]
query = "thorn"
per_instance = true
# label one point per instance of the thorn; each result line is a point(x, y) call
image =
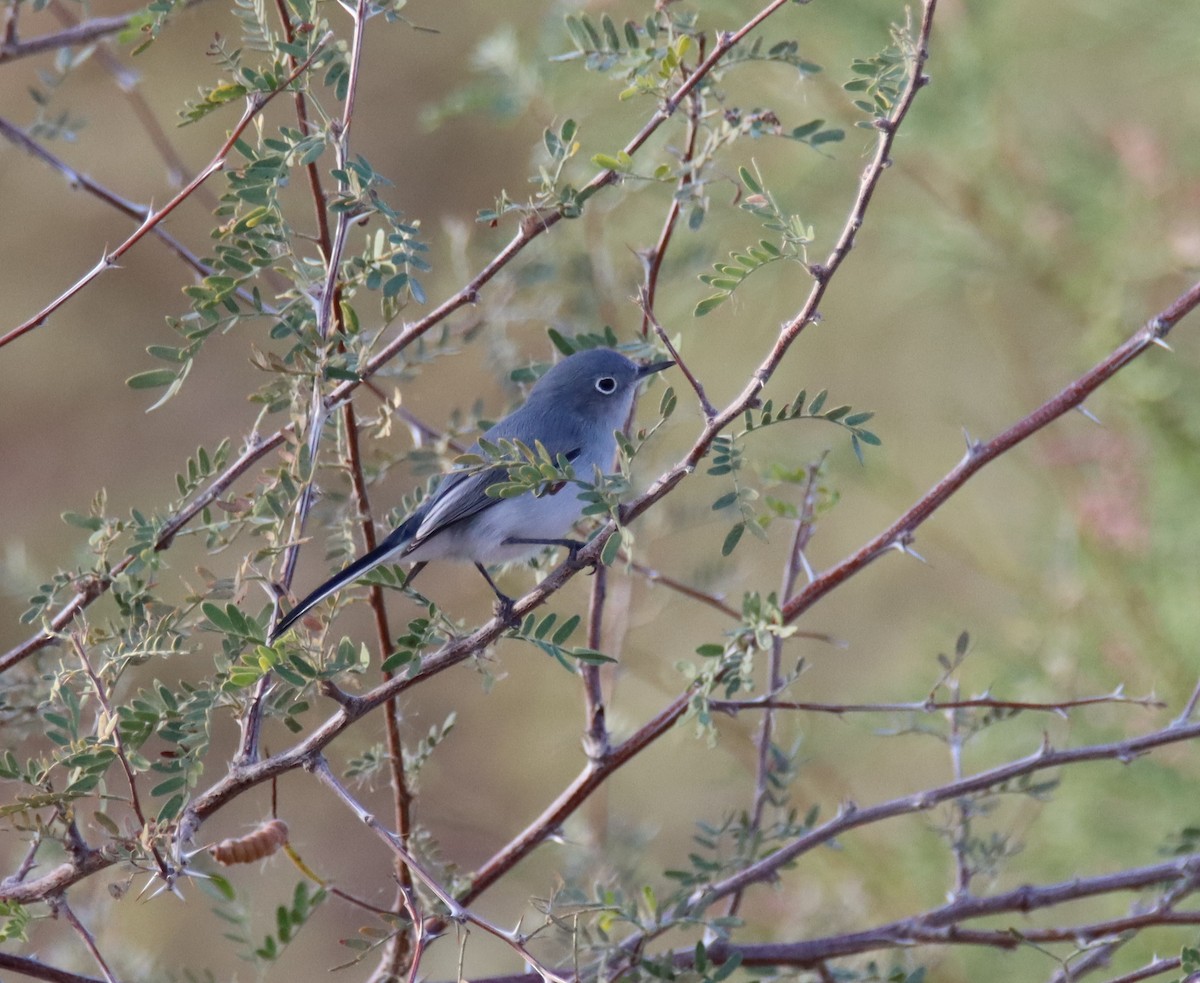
point(1089, 414)
point(1162, 343)
point(808, 570)
point(973, 446)
point(903, 546)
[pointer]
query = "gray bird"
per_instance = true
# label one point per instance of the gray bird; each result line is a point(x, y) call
point(574, 410)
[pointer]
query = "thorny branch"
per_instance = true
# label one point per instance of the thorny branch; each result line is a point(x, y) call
point(140, 213)
point(254, 105)
point(939, 925)
point(468, 294)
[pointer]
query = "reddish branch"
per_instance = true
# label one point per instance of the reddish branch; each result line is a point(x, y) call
point(254, 105)
point(469, 294)
point(940, 924)
point(139, 213)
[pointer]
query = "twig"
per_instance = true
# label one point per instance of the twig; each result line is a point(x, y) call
point(82, 33)
point(941, 926)
point(1190, 707)
point(398, 949)
point(109, 723)
point(140, 213)
point(595, 731)
point(37, 970)
point(108, 261)
point(766, 732)
point(655, 577)
point(706, 405)
point(853, 818)
point(59, 906)
point(900, 532)
point(457, 912)
point(654, 259)
point(1155, 967)
point(327, 311)
point(126, 79)
point(1059, 707)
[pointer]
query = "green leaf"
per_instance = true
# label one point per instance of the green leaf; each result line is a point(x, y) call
point(217, 616)
point(726, 500)
point(732, 538)
point(396, 660)
point(749, 181)
point(709, 304)
point(89, 522)
point(154, 379)
point(608, 556)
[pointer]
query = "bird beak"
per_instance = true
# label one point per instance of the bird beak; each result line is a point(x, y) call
point(653, 367)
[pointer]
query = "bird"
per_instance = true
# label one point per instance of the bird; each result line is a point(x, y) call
point(573, 411)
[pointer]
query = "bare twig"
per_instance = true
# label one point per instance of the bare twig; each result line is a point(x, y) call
point(706, 405)
point(1059, 707)
point(900, 532)
point(35, 969)
point(83, 33)
point(457, 911)
point(140, 213)
point(1156, 967)
point(595, 729)
point(59, 906)
point(397, 951)
point(108, 261)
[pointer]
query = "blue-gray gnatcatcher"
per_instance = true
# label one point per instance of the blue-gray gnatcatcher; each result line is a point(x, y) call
point(573, 410)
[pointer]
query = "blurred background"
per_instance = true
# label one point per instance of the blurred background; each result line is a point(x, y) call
point(1043, 203)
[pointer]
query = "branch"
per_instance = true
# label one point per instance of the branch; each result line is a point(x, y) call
point(899, 533)
point(852, 817)
point(1059, 707)
point(83, 33)
point(140, 213)
point(469, 294)
point(457, 912)
point(942, 926)
point(254, 106)
point(35, 969)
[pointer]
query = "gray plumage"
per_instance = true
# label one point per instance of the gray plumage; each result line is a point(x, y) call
point(574, 410)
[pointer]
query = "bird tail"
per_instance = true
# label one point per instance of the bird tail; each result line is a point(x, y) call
point(392, 545)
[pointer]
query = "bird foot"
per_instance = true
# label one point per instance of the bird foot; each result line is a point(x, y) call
point(505, 609)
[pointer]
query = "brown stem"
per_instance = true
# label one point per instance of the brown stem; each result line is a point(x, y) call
point(60, 908)
point(469, 294)
point(140, 213)
point(111, 722)
point(35, 969)
point(109, 259)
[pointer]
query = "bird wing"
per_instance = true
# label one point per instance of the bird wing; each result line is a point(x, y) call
point(462, 496)
point(459, 497)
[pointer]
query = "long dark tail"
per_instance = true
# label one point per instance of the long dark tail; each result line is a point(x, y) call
point(385, 551)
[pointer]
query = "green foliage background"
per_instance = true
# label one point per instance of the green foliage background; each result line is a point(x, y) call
point(1042, 203)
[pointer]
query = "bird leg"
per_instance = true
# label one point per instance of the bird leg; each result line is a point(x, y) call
point(504, 603)
point(415, 569)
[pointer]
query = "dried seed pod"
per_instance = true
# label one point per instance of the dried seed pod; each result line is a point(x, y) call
point(265, 840)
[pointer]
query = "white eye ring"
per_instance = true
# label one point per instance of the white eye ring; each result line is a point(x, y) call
point(606, 384)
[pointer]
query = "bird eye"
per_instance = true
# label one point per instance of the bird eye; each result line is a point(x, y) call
point(606, 384)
